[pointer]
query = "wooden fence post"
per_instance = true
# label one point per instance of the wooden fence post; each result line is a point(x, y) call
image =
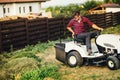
point(118, 20)
point(119, 17)
point(112, 18)
point(27, 31)
point(64, 28)
point(96, 20)
point(47, 25)
point(60, 29)
point(0, 38)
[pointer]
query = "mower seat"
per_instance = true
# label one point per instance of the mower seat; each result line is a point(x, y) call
point(76, 40)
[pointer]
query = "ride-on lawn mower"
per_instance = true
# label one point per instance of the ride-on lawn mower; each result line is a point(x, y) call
point(106, 49)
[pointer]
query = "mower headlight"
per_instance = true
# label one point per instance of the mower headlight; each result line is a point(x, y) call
point(109, 45)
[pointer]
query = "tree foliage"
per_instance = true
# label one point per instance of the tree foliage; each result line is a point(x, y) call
point(112, 1)
point(67, 11)
point(91, 4)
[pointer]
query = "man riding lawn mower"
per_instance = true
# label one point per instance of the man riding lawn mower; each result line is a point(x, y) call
point(77, 52)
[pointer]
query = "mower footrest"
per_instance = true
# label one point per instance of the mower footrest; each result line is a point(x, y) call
point(98, 62)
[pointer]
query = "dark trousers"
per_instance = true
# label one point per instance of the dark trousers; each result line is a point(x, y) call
point(86, 38)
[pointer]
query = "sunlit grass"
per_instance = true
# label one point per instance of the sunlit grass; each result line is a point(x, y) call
point(112, 30)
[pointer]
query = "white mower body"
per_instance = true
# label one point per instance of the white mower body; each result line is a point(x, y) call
point(109, 41)
point(105, 48)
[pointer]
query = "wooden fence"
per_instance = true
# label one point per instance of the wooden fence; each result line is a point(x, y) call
point(21, 32)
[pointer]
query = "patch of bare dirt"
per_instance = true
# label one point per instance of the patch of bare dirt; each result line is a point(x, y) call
point(48, 56)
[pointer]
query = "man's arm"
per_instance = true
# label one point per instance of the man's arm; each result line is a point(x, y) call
point(92, 24)
point(70, 29)
point(96, 27)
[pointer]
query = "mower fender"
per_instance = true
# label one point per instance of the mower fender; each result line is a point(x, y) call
point(73, 47)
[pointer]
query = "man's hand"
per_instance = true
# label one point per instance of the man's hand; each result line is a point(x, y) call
point(101, 29)
point(72, 35)
point(70, 29)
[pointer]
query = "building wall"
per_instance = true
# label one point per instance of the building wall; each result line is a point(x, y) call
point(19, 9)
point(1, 10)
point(113, 10)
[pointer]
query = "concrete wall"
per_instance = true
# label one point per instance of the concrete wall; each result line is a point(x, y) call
point(113, 10)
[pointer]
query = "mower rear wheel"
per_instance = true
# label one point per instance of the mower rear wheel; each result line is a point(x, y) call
point(113, 63)
point(74, 59)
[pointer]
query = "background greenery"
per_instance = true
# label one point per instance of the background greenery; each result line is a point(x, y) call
point(66, 11)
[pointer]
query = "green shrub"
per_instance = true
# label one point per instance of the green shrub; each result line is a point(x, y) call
point(46, 71)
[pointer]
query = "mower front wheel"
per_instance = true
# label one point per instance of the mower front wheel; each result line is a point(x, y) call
point(74, 59)
point(113, 63)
